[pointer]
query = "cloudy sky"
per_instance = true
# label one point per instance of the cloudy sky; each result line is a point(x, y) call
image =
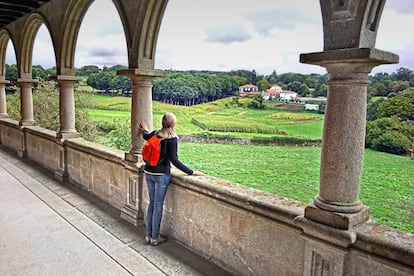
point(263, 35)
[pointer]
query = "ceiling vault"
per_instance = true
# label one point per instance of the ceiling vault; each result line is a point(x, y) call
point(12, 10)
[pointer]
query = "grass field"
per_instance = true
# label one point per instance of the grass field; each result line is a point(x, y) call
point(387, 184)
point(218, 118)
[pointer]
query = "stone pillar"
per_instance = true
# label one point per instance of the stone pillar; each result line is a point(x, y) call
point(141, 107)
point(3, 102)
point(343, 139)
point(66, 106)
point(26, 102)
point(141, 110)
point(337, 210)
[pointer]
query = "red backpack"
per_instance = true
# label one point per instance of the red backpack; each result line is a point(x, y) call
point(152, 150)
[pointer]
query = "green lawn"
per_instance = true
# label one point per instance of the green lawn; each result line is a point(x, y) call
point(387, 184)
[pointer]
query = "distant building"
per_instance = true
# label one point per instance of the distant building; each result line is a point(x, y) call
point(275, 91)
point(288, 95)
point(248, 88)
point(312, 107)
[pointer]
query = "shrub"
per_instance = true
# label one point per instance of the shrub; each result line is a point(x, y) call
point(397, 136)
point(46, 109)
point(120, 136)
point(258, 102)
point(392, 142)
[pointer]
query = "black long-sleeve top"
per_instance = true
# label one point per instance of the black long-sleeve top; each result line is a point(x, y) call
point(168, 155)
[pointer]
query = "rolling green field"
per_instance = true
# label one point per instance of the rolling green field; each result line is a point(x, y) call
point(218, 118)
point(387, 184)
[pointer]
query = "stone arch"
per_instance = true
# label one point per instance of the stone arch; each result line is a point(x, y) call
point(4, 39)
point(141, 21)
point(24, 56)
point(74, 14)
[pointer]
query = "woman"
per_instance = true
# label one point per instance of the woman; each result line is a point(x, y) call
point(158, 177)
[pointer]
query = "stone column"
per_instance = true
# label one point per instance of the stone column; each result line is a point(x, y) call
point(26, 102)
point(66, 106)
point(343, 139)
point(337, 210)
point(3, 102)
point(141, 107)
point(141, 110)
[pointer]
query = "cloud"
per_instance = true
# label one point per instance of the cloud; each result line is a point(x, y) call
point(228, 34)
point(404, 7)
point(265, 21)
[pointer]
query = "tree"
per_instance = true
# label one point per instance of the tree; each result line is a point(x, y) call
point(404, 74)
point(87, 70)
point(11, 72)
point(396, 86)
point(263, 85)
point(294, 86)
point(321, 92)
point(372, 108)
point(378, 89)
point(396, 106)
point(272, 78)
point(39, 73)
point(240, 80)
point(258, 102)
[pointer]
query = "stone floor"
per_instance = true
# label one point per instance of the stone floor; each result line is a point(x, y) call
point(51, 228)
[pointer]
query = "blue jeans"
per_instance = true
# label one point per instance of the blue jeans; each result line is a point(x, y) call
point(157, 186)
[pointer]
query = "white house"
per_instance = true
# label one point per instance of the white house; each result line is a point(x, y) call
point(288, 95)
point(248, 88)
point(312, 106)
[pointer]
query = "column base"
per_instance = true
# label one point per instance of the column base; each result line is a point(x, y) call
point(67, 135)
point(61, 175)
point(326, 248)
point(131, 215)
point(27, 123)
point(344, 221)
point(133, 157)
point(22, 153)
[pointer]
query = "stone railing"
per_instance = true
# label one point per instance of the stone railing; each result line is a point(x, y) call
point(246, 231)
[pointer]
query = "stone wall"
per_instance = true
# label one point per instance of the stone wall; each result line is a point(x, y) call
point(43, 148)
point(11, 135)
point(99, 170)
point(245, 231)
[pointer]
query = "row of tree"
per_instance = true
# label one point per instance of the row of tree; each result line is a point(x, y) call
point(187, 87)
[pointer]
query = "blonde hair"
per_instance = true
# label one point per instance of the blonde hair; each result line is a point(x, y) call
point(168, 124)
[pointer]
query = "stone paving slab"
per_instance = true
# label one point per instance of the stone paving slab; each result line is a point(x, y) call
point(43, 235)
point(77, 231)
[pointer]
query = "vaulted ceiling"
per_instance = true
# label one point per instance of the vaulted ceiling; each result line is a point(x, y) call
point(11, 10)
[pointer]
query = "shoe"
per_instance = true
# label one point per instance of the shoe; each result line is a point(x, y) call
point(147, 240)
point(155, 242)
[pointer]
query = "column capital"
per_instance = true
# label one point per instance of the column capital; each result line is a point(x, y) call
point(357, 56)
point(27, 81)
point(59, 78)
point(141, 72)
